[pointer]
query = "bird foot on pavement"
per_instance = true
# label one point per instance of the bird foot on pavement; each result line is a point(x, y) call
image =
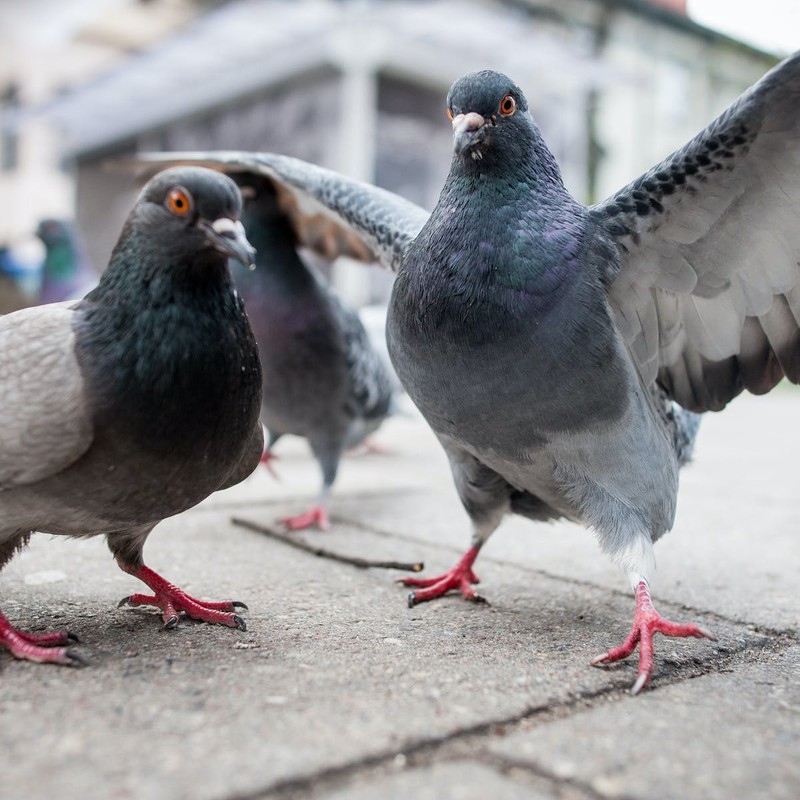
point(267, 460)
point(174, 601)
point(460, 577)
point(317, 516)
point(646, 622)
point(370, 447)
point(44, 648)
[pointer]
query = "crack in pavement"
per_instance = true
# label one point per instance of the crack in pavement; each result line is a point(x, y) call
point(470, 741)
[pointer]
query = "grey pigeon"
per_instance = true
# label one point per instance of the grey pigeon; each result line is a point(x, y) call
point(562, 353)
point(136, 402)
point(67, 273)
point(323, 380)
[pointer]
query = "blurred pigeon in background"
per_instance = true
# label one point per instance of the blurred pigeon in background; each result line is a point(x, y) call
point(67, 273)
point(323, 380)
point(559, 352)
point(137, 402)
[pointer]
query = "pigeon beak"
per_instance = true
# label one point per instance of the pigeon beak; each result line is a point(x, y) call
point(469, 130)
point(228, 236)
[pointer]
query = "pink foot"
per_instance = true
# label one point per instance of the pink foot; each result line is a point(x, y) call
point(370, 447)
point(267, 459)
point(40, 647)
point(173, 601)
point(317, 515)
point(459, 577)
point(646, 622)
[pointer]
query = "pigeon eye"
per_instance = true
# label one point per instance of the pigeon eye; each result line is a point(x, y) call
point(450, 114)
point(508, 105)
point(178, 202)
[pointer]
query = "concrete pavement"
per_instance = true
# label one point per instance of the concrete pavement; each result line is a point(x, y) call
point(338, 690)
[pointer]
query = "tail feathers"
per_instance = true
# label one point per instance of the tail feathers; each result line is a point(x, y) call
point(687, 424)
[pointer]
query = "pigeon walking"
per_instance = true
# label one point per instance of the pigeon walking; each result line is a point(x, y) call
point(136, 402)
point(323, 380)
point(562, 353)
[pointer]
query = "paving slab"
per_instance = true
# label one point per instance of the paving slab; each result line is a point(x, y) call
point(732, 734)
point(335, 676)
point(456, 780)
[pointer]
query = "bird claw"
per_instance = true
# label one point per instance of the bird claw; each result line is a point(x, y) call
point(315, 516)
point(267, 459)
point(460, 577)
point(42, 648)
point(174, 602)
point(647, 622)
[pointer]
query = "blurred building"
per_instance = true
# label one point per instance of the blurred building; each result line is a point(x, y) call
point(358, 86)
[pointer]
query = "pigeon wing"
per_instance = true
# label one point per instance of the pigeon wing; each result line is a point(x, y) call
point(44, 422)
point(707, 288)
point(332, 214)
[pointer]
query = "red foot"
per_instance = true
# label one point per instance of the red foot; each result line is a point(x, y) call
point(173, 601)
point(370, 447)
point(267, 459)
point(646, 622)
point(39, 647)
point(317, 515)
point(459, 577)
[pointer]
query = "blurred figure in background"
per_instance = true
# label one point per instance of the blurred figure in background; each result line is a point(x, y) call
point(67, 273)
point(20, 274)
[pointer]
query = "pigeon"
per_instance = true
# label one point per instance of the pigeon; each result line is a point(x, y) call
point(323, 380)
point(136, 402)
point(561, 353)
point(67, 273)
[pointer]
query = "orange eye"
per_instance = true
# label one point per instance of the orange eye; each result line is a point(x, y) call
point(508, 105)
point(449, 115)
point(178, 202)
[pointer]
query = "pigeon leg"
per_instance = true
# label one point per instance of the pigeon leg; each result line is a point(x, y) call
point(458, 577)
point(646, 622)
point(173, 601)
point(40, 647)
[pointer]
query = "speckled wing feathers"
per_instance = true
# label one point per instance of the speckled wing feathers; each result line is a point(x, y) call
point(332, 214)
point(708, 293)
point(44, 424)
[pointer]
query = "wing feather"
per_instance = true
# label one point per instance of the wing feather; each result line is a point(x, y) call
point(709, 252)
point(44, 423)
point(331, 213)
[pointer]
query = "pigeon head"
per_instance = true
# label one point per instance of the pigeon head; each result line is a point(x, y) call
point(489, 112)
point(196, 209)
point(53, 231)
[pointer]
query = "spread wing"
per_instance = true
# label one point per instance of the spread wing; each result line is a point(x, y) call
point(331, 213)
point(44, 423)
point(707, 295)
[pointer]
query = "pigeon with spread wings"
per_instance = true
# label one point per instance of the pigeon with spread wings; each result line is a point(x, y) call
point(561, 353)
point(136, 402)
